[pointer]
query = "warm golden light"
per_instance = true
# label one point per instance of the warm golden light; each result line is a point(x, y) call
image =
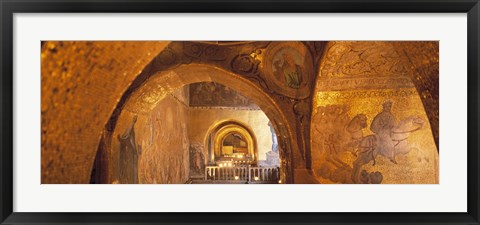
point(226, 130)
point(158, 112)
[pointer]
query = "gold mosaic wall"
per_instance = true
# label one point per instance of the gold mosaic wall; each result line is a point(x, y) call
point(417, 165)
point(355, 83)
point(81, 83)
point(162, 141)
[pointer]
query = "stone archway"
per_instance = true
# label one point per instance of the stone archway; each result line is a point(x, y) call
point(152, 90)
point(77, 74)
point(220, 131)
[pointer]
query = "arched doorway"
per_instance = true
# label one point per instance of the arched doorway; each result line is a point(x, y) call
point(232, 141)
point(144, 94)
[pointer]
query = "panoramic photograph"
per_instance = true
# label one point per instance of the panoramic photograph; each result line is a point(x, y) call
point(239, 112)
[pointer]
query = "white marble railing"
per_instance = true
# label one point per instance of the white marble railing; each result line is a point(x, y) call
point(246, 174)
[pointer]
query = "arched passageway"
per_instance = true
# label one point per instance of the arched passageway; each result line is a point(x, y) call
point(98, 98)
point(146, 97)
point(234, 134)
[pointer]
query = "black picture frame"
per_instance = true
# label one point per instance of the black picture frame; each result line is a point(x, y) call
point(9, 7)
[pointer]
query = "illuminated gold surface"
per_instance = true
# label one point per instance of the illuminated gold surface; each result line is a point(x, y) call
point(204, 120)
point(81, 83)
point(362, 58)
point(423, 58)
point(162, 136)
point(362, 76)
point(183, 75)
point(146, 102)
point(406, 103)
point(224, 131)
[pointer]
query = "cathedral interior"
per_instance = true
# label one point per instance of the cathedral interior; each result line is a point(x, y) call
point(239, 112)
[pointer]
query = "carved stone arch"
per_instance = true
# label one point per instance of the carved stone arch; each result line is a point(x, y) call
point(219, 131)
point(148, 92)
point(81, 97)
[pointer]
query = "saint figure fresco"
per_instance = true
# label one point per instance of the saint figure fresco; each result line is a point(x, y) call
point(129, 155)
point(289, 70)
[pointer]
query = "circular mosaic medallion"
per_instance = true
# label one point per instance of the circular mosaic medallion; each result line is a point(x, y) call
point(288, 68)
